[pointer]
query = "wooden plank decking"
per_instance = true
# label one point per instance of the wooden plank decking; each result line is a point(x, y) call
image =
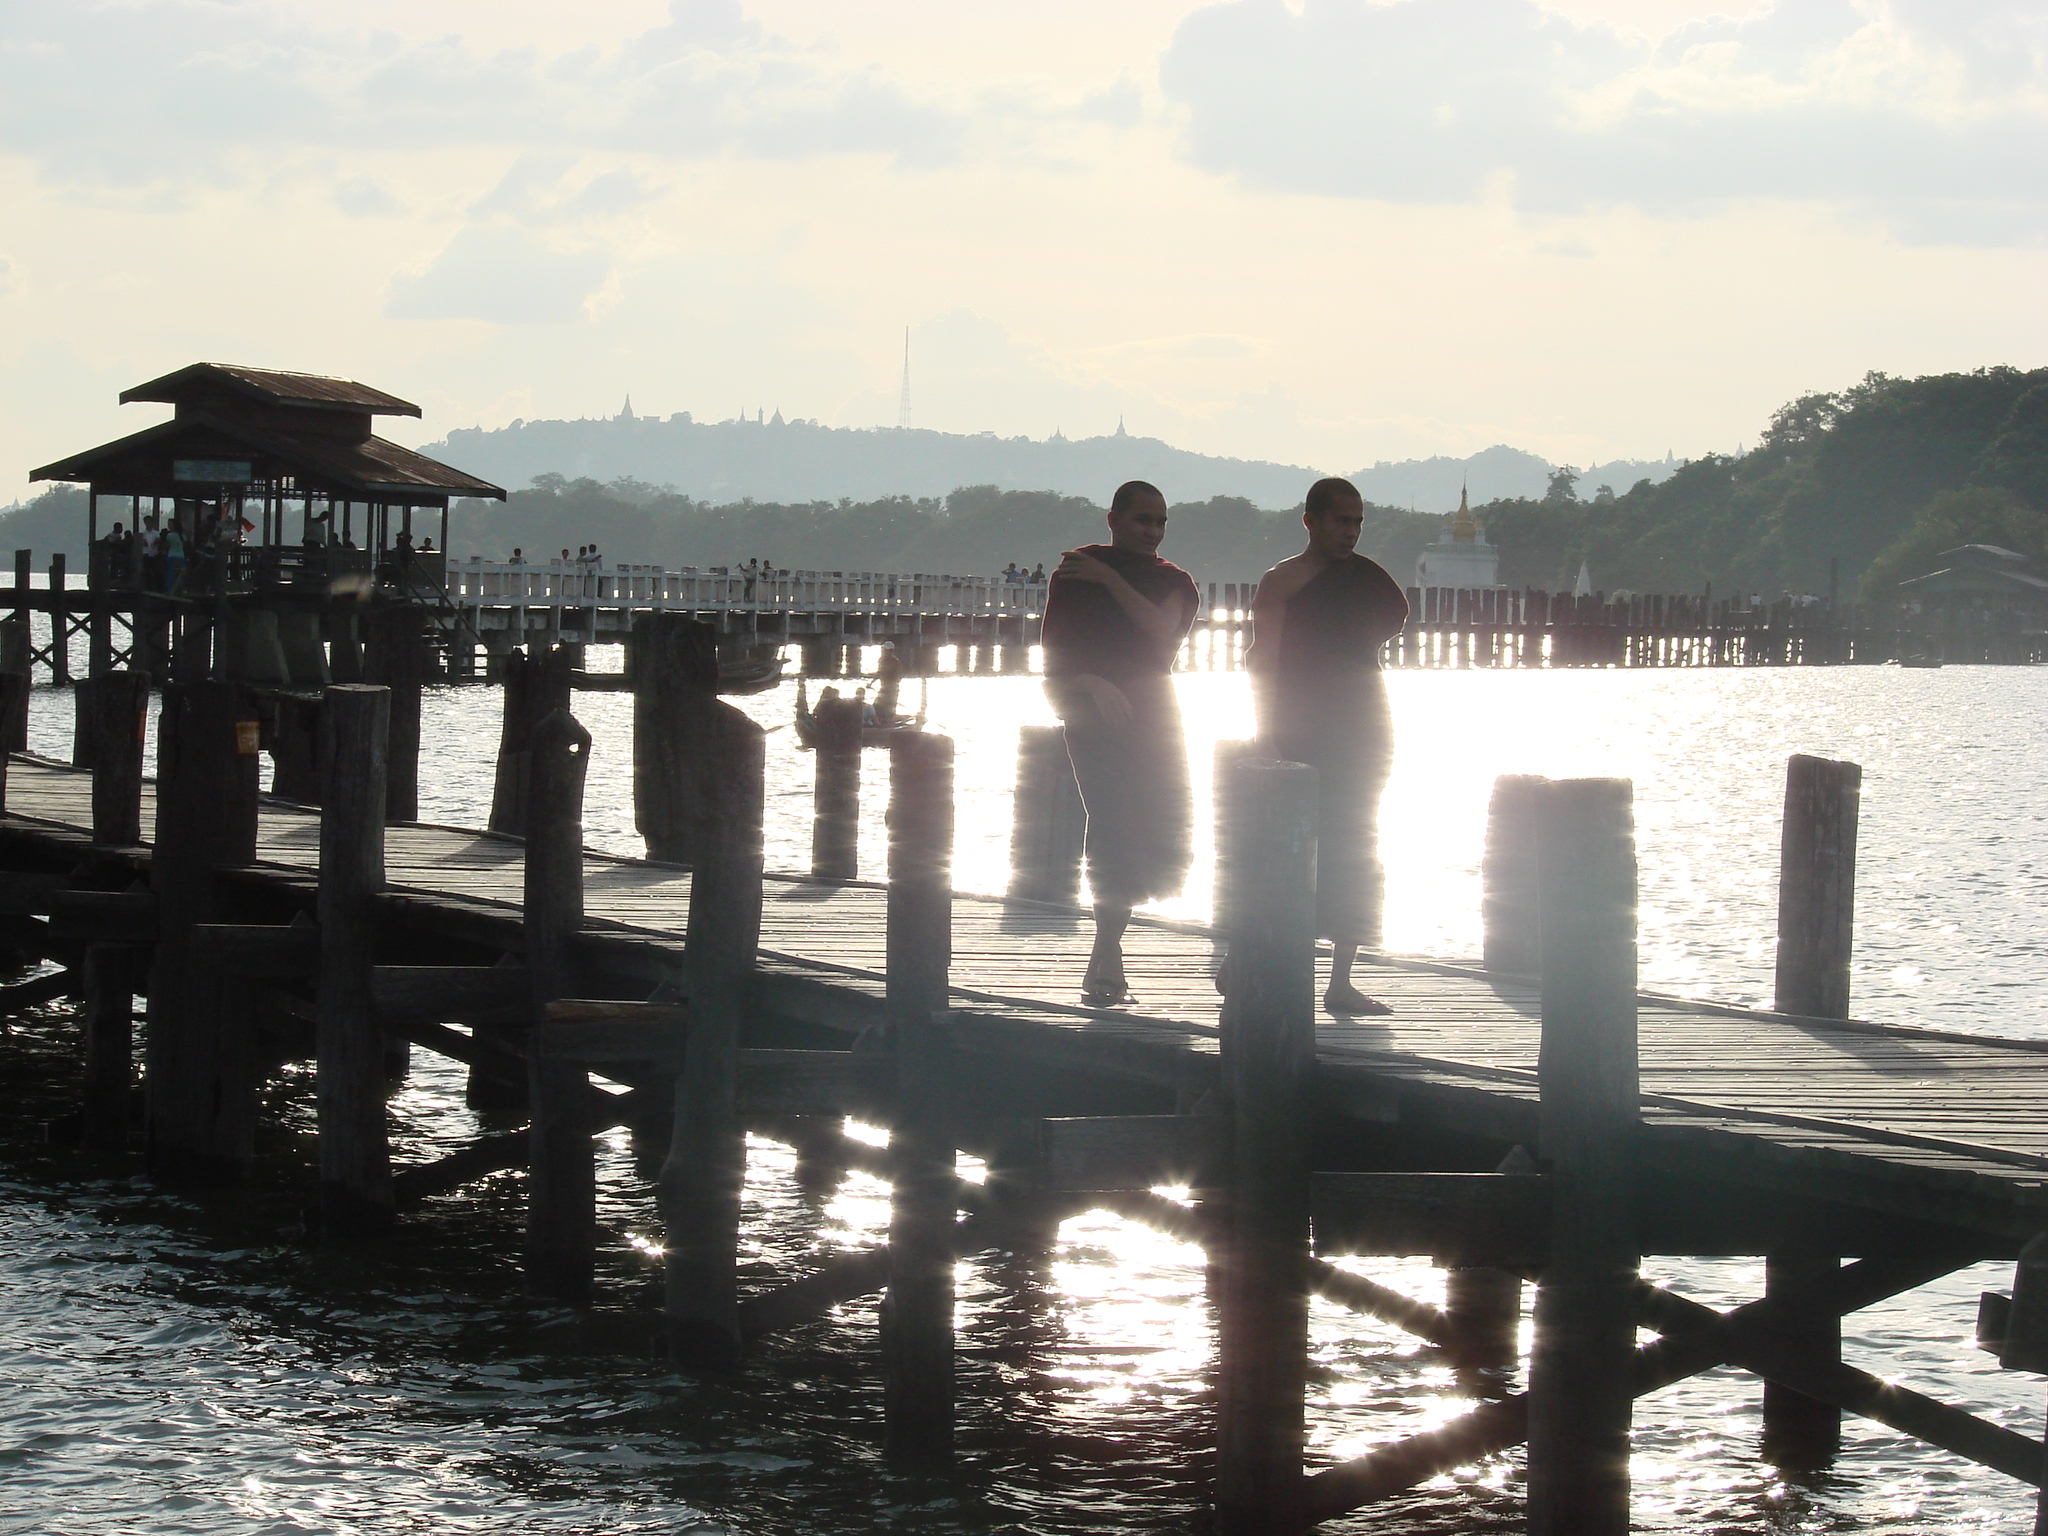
point(1919, 1122)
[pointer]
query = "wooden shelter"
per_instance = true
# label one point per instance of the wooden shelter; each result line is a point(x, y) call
point(265, 475)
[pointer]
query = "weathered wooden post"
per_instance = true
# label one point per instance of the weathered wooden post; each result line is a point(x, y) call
point(1228, 820)
point(1817, 887)
point(2024, 1346)
point(674, 662)
point(1269, 1058)
point(536, 685)
point(14, 692)
point(108, 1017)
point(1816, 930)
point(15, 688)
point(917, 1310)
point(835, 816)
point(706, 1164)
point(1581, 1374)
point(1508, 903)
point(1048, 822)
point(561, 1195)
point(394, 657)
point(199, 1058)
point(60, 623)
point(114, 709)
point(355, 1149)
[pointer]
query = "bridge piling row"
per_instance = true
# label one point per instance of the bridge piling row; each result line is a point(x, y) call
point(707, 1054)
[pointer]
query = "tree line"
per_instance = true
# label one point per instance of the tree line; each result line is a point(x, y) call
point(1862, 487)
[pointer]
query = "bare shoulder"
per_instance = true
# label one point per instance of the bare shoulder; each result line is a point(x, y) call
point(1284, 580)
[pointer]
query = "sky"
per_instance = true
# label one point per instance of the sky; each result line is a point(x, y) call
point(1326, 232)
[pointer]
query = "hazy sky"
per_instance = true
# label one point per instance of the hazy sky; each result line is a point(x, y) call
point(1325, 231)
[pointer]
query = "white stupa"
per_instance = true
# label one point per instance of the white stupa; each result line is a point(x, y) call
point(1462, 557)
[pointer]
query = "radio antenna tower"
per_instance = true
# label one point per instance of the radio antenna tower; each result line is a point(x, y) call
point(903, 405)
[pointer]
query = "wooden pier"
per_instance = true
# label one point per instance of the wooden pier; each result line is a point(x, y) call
point(1539, 1122)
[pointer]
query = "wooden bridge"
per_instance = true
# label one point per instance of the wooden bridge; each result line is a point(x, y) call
point(1529, 1117)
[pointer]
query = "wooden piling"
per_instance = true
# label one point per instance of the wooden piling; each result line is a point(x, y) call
point(108, 1020)
point(1581, 1381)
point(1484, 1310)
point(536, 685)
point(114, 710)
point(1508, 903)
point(1268, 1027)
point(561, 1199)
point(835, 814)
point(14, 694)
point(1817, 887)
point(706, 1164)
point(1229, 822)
point(1048, 821)
point(355, 1151)
point(674, 662)
point(394, 658)
point(199, 1058)
point(1800, 1433)
point(917, 1309)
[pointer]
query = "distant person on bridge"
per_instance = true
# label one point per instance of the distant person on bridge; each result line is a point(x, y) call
point(1318, 623)
point(1115, 617)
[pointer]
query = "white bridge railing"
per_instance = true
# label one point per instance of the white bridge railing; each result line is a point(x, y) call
point(554, 584)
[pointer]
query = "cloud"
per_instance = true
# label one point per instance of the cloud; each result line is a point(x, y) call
point(501, 274)
point(1937, 127)
point(185, 90)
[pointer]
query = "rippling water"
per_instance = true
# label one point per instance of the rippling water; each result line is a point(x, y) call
point(172, 1366)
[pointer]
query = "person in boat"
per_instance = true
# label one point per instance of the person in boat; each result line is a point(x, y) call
point(888, 683)
point(1318, 623)
point(1115, 617)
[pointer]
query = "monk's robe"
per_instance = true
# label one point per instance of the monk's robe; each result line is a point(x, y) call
point(1134, 778)
point(1326, 705)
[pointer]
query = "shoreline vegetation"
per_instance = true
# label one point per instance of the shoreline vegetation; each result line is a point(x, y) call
point(1849, 491)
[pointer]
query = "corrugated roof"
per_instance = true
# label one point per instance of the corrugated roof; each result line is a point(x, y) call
point(371, 470)
point(273, 386)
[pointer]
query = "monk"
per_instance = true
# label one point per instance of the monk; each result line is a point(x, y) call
point(1115, 617)
point(1318, 623)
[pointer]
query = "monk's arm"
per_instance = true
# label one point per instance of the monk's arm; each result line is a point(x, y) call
point(1165, 621)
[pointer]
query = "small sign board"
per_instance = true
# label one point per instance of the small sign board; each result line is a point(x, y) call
point(211, 471)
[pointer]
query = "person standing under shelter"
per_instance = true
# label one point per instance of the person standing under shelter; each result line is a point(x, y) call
point(1318, 623)
point(1115, 617)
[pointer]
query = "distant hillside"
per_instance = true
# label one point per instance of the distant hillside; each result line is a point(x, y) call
point(801, 461)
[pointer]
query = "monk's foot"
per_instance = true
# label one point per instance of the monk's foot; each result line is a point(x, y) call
point(1117, 996)
point(1344, 998)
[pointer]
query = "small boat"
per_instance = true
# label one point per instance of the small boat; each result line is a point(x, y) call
point(880, 731)
point(757, 675)
point(1919, 661)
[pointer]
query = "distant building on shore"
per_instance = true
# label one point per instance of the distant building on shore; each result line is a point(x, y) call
point(1462, 557)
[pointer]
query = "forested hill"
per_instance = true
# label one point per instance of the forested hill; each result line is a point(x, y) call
point(802, 461)
point(1877, 479)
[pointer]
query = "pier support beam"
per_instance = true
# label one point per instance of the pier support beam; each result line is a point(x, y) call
point(917, 1310)
point(1817, 887)
point(113, 713)
point(1581, 1384)
point(1048, 821)
point(1508, 902)
point(199, 1064)
point(108, 1017)
point(394, 657)
point(1268, 1026)
point(536, 685)
point(355, 1149)
point(674, 662)
point(561, 1194)
point(835, 798)
point(707, 1157)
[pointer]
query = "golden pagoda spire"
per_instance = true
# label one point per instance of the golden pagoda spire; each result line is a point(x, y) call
point(1464, 527)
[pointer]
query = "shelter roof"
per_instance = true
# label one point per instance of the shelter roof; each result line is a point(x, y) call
point(271, 386)
point(159, 460)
